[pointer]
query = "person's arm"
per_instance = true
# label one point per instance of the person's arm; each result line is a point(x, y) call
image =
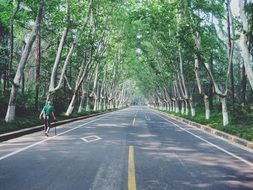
point(53, 116)
point(41, 113)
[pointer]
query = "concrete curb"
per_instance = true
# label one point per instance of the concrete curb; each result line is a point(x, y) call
point(15, 134)
point(221, 134)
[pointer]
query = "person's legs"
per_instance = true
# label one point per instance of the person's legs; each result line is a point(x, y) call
point(45, 124)
point(48, 125)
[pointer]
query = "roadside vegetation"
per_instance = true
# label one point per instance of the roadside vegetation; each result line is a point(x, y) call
point(240, 125)
point(32, 120)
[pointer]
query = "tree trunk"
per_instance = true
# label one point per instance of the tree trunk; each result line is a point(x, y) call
point(11, 43)
point(23, 84)
point(186, 107)
point(80, 109)
point(210, 86)
point(230, 51)
point(82, 75)
point(224, 110)
point(52, 88)
point(37, 73)
point(193, 113)
point(170, 106)
point(243, 43)
point(87, 108)
point(244, 86)
point(10, 115)
point(71, 105)
point(182, 107)
point(207, 107)
point(95, 103)
point(176, 106)
point(104, 103)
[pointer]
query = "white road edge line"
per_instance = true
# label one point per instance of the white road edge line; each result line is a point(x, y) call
point(213, 135)
point(208, 142)
point(49, 138)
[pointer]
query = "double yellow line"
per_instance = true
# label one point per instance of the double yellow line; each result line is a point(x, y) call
point(131, 169)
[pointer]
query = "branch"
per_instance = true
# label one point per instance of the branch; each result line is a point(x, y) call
point(66, 79)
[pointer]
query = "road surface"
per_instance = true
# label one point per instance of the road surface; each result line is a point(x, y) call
point(131, 149)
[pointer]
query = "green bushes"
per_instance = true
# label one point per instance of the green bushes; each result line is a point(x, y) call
point(20, 123)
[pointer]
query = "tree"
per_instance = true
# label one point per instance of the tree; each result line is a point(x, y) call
point(10, 115)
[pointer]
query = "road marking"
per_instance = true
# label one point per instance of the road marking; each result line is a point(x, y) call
point(133, 122)
point(131, 169)
point(49, 138)
point(147, 117)
point(208, 142)
point(134, 118)
point(91, 138)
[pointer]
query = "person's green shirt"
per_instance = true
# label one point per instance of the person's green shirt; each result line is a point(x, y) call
point(48, 109)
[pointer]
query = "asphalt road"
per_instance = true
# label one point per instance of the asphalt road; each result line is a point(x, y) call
point(131, 149)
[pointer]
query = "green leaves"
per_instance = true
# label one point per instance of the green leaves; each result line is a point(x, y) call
point(6, 10)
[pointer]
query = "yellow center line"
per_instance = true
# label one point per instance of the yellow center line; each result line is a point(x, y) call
point(131, 169)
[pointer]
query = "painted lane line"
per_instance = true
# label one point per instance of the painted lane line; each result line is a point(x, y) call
point(208, 142)
point(133, 122)
point(49, 138)
point(211, 134)
point(131, 169)
point(147, 117)
point(134, 118)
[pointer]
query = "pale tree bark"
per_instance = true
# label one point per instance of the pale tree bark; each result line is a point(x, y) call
point(94, 89)
point(205, 96)
point(184, 99)
point(84, 92)
point(11, 41)
point(244, 42)
point(168, 99)
point(82, 75)
point(52, 87)
point(10, 114)
point(222, 93)
point(230, 47)
point(97, 96)
point(181, 80)
point(160, 99)
point(102, 90)
point(84, 69)
point(244, 86)
point(207, 107)
point(37, 74)
point(176, 96)
point(193, 112)
point(179, 94)
point(87, 108)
